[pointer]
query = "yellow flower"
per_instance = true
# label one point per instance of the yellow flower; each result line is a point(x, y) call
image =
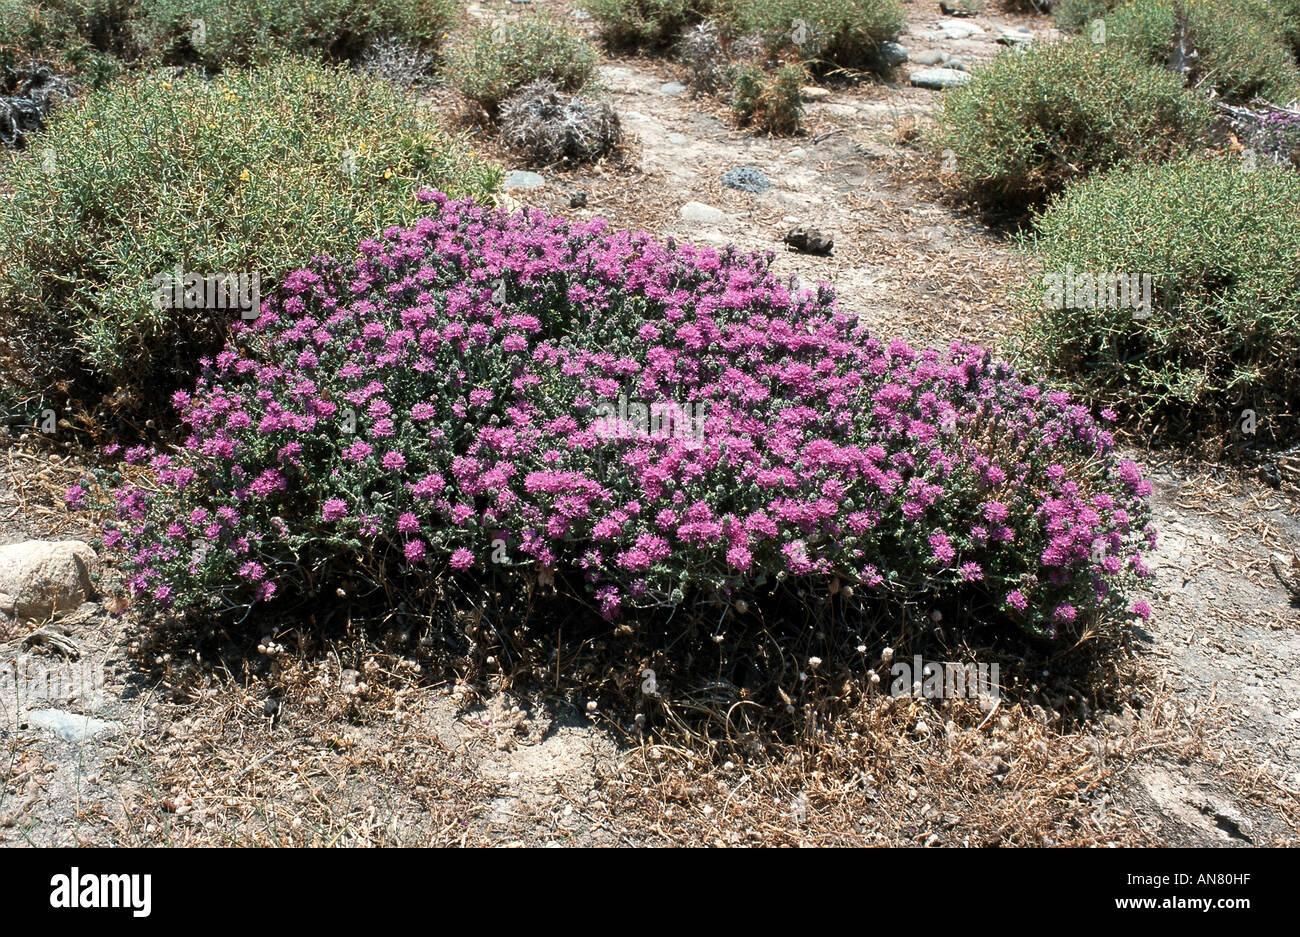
point(388, 174)
point(244, 176)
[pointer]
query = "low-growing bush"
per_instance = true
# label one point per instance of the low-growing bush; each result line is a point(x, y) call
point(1288, 14)
point(1233, 46)
point(1076, 15)
point(550, 126)
point(771, 103)
point(1033, 120)
point(220, 34)
point(1221, 244)
point(241, 175)
point(90, 37)
point(492, 62)
point(525, 395)
point(824, 34)
point(27, 95)
point(647, 24)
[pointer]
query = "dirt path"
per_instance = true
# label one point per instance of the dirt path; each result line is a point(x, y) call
point(437, 766)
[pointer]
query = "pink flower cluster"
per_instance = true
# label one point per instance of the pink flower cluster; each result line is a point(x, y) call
point(433, 404)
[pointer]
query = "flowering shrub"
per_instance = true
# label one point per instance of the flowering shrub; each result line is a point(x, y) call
point(485, 386)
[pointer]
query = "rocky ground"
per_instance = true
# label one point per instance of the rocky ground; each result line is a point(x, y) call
point(1202, 747)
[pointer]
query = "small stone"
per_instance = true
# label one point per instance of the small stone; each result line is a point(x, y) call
point(929, 57)
point(701, 213)
point(893, 53)
point(939, 79)
point(959, 29)
point(813, 93)
point(746, 179)
point(522, 179)
point(672, 87)
point(69, 726)
point(1014, 37)
point(41, 577)
point(578, 199)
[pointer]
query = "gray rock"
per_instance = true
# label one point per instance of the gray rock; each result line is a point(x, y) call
point(813, 93)
point(954, 62)
point(701, 213)
point(1014, 37)
point(69, 726)
point(672, 87)
point(522, 179)
point(939, 78)
point(929, 57)
point(894, 53)
point(746, 179)
point(40, 577)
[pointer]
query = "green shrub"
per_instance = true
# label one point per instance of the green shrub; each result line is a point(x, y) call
point(493, 62)
point(1239, 49)
point(88, 36)
point(240, 32)
point(772, 104)
point(647, 24)
point(823, 33)
point(248, 174)
point(1222, 245)
point(1031, 121)
point(1075, 15)
point(1288, 14)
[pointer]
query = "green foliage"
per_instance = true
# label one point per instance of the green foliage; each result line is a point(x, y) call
point(823, 33)
point(491, 63)
point(648, 24)
point(1076, 15)
point(1033, 120)
point(88, 36)
point(1239, 48)
point(1222, 245)
point(770, 103)
point(248, 173)
point(240, 32)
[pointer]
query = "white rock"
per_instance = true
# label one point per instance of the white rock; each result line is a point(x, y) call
point(814, 93)
point(69, 726)
point(523, 179)
point(40, 577)
point(701, 213)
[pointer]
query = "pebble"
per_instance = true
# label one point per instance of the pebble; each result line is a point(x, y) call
point(672, 87)
point(69, 726)
point(893, 53)
point(701, 213)
point(522, 179)
point(939, 78)
point(746, 179)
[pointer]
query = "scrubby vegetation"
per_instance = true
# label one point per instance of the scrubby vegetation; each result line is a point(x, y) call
point(551, 127)
point(823, 33)
point(651, 24)
point(98, 38)
point(1233, 46)
point(247, 174)
point(492, 62)
point(769, 102)
point(1220, 243)
point(514, 392)
point(1033, 121)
